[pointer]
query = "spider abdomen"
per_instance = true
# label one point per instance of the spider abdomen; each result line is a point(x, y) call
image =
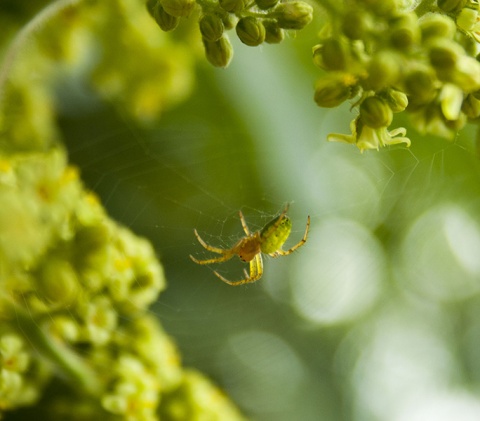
point(274, 235)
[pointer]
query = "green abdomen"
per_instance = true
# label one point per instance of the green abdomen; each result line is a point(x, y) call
point(273, 235)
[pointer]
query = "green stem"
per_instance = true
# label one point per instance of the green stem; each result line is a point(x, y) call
point(78, 374)
point(24, 35)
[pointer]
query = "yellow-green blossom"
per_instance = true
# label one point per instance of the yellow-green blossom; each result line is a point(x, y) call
point(364, 137)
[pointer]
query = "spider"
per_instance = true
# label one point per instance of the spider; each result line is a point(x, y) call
point(268, 240)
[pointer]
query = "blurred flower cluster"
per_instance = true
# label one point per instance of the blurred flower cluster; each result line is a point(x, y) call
point(255, 22)
point(76, 286)
point(391, 56)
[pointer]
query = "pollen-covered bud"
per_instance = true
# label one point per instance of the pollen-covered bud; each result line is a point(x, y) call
point(396, 100)
point(273, 33)
point(437, 26)
point(265, 4)
point(211, 27)
point(451, 5)
point(178, 8)
point(293, 15)
point(220, 52)
point(331, 55)
point(232, 5)
point(356, 23)
point(404, 31)
point(333, 89)
point(164, 20)
point(375, 113)
point(250, 31)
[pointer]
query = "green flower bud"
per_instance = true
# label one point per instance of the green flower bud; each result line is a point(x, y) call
point(266, 4)
point(164, 20)
point(211, 27)
point(356, 23)
point(333, 89)
point(420, 85)
point(178, 8)
point(458, 124)
point(396, 100)
point(404, 31)
point(273, 33)
point(381, 8)
point(451, 5)
point(220, 52)
point(471, 107)
point(375, 113)
point(229, 21)
point(250, 31)
point(293, 15)
point(467, 19)
point(383, 70)
point(444, 54)
point(434, 26)
point(333, 54)
point(58, 281)
point(466, 74)
point(232, 5)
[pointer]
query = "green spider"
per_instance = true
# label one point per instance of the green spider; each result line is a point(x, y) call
point(268, 240)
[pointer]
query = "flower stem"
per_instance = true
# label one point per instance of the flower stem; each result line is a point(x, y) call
point(62, 358)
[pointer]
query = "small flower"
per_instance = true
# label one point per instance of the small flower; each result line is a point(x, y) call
point(334, 88)
point(211, 27)
point(178, 8)
point(220, 52)
point(430, 119)
point(365, 137)
point(469, 20)
point(273, 33)
point(165, 20)
point(12, 355)
point(250, 31)
point(451, 99)
point(375, 112)
point(293, 15)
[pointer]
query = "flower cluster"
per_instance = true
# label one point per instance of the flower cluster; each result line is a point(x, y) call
point(255, 22)
point(77, 339)
point(76, 288)
point(388, 58)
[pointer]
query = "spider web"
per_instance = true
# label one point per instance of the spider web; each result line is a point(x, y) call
point(307, 340)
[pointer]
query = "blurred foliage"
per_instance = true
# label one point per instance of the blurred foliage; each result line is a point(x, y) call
point(376, 318)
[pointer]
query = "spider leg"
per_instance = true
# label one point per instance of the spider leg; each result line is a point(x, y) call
point(244, 223)
point(208, 246)
point(225, 254)
point(256, 272)
point(220, 259)
point(296, 246)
